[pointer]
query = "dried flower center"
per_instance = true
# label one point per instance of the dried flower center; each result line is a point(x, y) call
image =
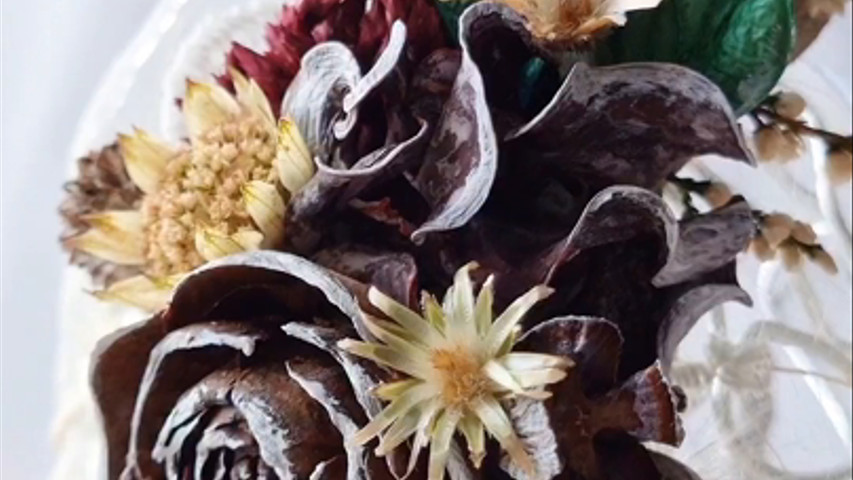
point(202, 188)
point(460, 375)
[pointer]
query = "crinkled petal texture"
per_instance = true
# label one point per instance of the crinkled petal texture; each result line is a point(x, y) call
point(241, 378)
point(424, 164)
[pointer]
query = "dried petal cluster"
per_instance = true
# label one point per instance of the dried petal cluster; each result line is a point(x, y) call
point(575, 22)
point(393, 171)
point(460, 362)
point(222, 193)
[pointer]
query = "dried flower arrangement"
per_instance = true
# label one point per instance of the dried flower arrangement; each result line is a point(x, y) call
point(510, 155)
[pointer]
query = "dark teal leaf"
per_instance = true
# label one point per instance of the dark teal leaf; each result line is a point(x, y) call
point(742, 45)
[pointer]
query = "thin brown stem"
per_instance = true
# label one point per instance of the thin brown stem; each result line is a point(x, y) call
point(800, 127)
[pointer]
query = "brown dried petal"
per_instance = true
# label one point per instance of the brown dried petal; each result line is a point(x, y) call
point(462, 159)
point(176, 363)
point(118, 365)
point(102, 184)
point(707, 242)
point(594, 344)
point(647, 120)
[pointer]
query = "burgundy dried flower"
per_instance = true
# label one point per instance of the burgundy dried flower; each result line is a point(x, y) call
point(310, 22)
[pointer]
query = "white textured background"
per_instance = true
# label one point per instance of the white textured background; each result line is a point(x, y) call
point(53, 53)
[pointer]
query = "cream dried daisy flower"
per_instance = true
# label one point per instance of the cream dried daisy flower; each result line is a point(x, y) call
point(574, 22)
point(224, 192)
point(460, 364)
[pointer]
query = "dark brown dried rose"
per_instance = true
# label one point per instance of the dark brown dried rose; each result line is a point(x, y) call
point(243, 377)
point(102, 184)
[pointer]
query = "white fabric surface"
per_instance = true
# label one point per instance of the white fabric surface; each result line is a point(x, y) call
point(53, 54)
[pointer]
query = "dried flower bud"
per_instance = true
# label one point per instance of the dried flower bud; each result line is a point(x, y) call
point(804, 233)
point(789, 104)
point(776, 228)
point(762, 249)
point(768, 142)
point(792, 146)
point(824, 260)
point(792, 256)
point(718, 194)
point(840, 166)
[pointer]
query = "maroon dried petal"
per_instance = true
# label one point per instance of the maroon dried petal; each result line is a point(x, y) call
point(461, 161)
point(118, 365)
point(708, 242)
point(594, 344)
point(655, 405)
point(647, 121)
point(394, 274)
point(291, 431)
point(176, 363)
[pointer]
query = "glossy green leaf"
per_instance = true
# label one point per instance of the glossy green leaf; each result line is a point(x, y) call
point(742, 45)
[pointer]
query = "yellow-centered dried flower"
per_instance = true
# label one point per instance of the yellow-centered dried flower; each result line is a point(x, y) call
point(573, 22)
point(222, 193)
point(460, 363)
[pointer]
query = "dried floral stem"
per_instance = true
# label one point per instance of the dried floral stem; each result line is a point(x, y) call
point(800, 127)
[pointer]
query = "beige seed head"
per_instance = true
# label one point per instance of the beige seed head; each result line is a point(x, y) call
point(840, 166)
point(825, 261)
point(789, 104)
point(718, 194)
point(792, 256)
point(804, 233)
point(776, 228)
point(762, 249)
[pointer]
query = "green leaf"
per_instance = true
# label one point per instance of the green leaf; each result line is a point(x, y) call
point(742, 45)
point(450, 11)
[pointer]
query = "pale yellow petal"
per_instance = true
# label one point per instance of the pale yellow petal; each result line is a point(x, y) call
point(145, 158)
point(439, 450)
point(395, 336)
point(459, 305)
point(211, 244)
point(142, 292)
point(504, 378)
point(207, 106)
point(267, 209)
point(540, 378)
point(483, 308)
point(115, 236)
point(433, 312)
point(399, 431)
point(251, 97)
point(391, 391)
point(507, 321)
point(498, 425)
point(294, 161)
point(393, 411)
point(249, 239)
point(425, 428)
point(520, 361)
point(409, 320)
point(474, 433)
point(390, 357)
